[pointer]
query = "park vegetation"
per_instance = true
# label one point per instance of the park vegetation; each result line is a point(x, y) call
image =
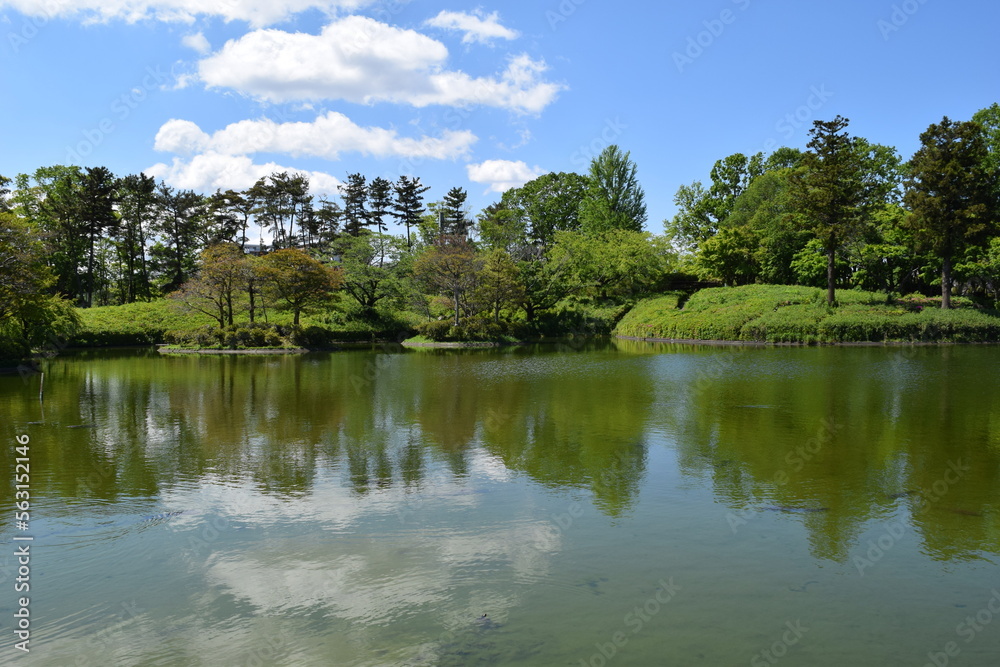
point(90, 258)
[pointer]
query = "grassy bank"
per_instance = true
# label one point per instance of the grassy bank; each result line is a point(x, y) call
point(161, 321)
point(788, 314)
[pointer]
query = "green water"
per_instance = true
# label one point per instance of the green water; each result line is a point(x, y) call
point(618, 503)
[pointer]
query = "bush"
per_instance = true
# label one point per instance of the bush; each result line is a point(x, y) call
point(476, 328)
point(436, 330)
point(241, 336)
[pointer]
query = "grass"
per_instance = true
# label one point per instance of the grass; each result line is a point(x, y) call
point(790, 314)
point(150, 323)
point(143, 323)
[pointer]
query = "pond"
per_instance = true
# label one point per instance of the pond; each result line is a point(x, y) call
point(606, 503)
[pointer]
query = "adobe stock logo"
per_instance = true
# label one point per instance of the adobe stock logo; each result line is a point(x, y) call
point(701, 42)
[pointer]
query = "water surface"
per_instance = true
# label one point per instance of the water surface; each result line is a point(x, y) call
point(621, 503)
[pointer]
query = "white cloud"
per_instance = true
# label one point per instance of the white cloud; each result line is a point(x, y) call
point(502, 175)
point(211, 171)
point(361, 60)
point(478, 27)
point(326, 137)
point(182, 137)
point(198, 42)
point(257, 13)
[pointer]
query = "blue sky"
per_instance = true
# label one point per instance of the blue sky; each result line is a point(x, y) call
point(210, 94)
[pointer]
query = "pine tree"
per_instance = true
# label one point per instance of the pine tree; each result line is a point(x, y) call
point(97, 214)
point(836, 189)
point(355, 195)
point(409, 205)
point(950, 193)
point(456, 221)
point(380, 202)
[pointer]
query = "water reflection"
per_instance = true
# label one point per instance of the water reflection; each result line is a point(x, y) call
point(858, 435)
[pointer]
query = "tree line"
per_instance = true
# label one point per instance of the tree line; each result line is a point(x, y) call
point(847, 212)
point(104, 240)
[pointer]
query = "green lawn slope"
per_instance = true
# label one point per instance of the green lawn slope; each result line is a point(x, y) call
point(789, 314)
point(153, 323)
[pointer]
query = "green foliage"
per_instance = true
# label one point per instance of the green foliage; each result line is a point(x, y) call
point(237, 337)
point(141, 323)
point(840, 182)
point(296, 282)
point(951, 194)
point(475, 328)
point(617, 263)
point(374, 267)
point(775, 314)
point(534, 212)
point(614, 198)
point(29, 315)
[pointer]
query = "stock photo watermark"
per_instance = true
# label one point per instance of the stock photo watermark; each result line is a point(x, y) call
point(702, 41)
point(632, 624)
point(562, 12)
point(900, 16)
point(779, 649)
point(923, 500)
point(800, 117)
point(154, 78)
point(609, 134)
point(795, 461)
point(970, 628)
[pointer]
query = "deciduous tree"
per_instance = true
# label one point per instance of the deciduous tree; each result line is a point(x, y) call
point(450, 266)
point(297, 282)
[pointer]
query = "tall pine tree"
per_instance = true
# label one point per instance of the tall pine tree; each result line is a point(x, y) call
point(950, 193)
point(355, 212)
point(409, 205)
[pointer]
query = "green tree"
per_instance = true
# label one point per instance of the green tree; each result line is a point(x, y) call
point(355, 210)
point(989, 120)
point(281, 201)
point(218, 287)
point(29, 315)
point(136, 195)
point(836, 189)
point(52, 205)
point(455, 217)
point(380, 199)
point(950, 193)
point(97, 214)
point(618, 263)
point(729, 256)
point(297, 282)
point(408, 208)
point(614, 198)
point(547, 204)
point(503, 227)
point(4, 193)
point(372, 266)
point(450, 266)
point(498, 285)
point(178, 224)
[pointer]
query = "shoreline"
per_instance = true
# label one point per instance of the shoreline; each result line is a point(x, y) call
point(291, 350)
point(759, 343)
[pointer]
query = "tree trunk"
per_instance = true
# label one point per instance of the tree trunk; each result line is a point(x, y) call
point(946, 282)
point(830, 278)
point(253, 304)
point(456, 307)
